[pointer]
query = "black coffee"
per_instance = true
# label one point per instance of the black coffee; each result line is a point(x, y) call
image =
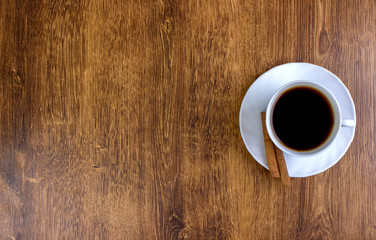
point(302, 118)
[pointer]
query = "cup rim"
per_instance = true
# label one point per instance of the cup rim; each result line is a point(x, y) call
point(337, 118)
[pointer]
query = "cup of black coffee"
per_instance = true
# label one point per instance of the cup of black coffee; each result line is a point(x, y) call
point(303, 118)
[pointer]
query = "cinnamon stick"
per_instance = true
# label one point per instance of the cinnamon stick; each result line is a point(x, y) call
point(269, 149)
point(282, 167)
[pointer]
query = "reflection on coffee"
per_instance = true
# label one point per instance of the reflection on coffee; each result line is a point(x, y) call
point(302, 118)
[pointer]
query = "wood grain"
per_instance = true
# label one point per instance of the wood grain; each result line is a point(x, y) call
point(119, 119)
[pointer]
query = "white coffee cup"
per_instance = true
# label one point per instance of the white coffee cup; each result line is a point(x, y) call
point(338, 121)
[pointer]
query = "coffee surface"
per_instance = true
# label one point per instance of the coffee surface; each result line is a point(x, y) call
point(302, 118)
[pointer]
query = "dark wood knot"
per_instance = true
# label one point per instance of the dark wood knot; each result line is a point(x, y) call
point(324, 43)
point(168, 25)
point(14, 77)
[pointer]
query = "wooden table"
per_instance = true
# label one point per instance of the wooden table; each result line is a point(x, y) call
point(119, 119)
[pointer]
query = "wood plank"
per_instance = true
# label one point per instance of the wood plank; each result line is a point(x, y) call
point(119, 119)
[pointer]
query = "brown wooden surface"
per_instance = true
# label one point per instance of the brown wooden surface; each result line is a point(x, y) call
point(119, 119)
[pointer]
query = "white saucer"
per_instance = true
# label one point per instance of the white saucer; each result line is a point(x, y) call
point(256, 100)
